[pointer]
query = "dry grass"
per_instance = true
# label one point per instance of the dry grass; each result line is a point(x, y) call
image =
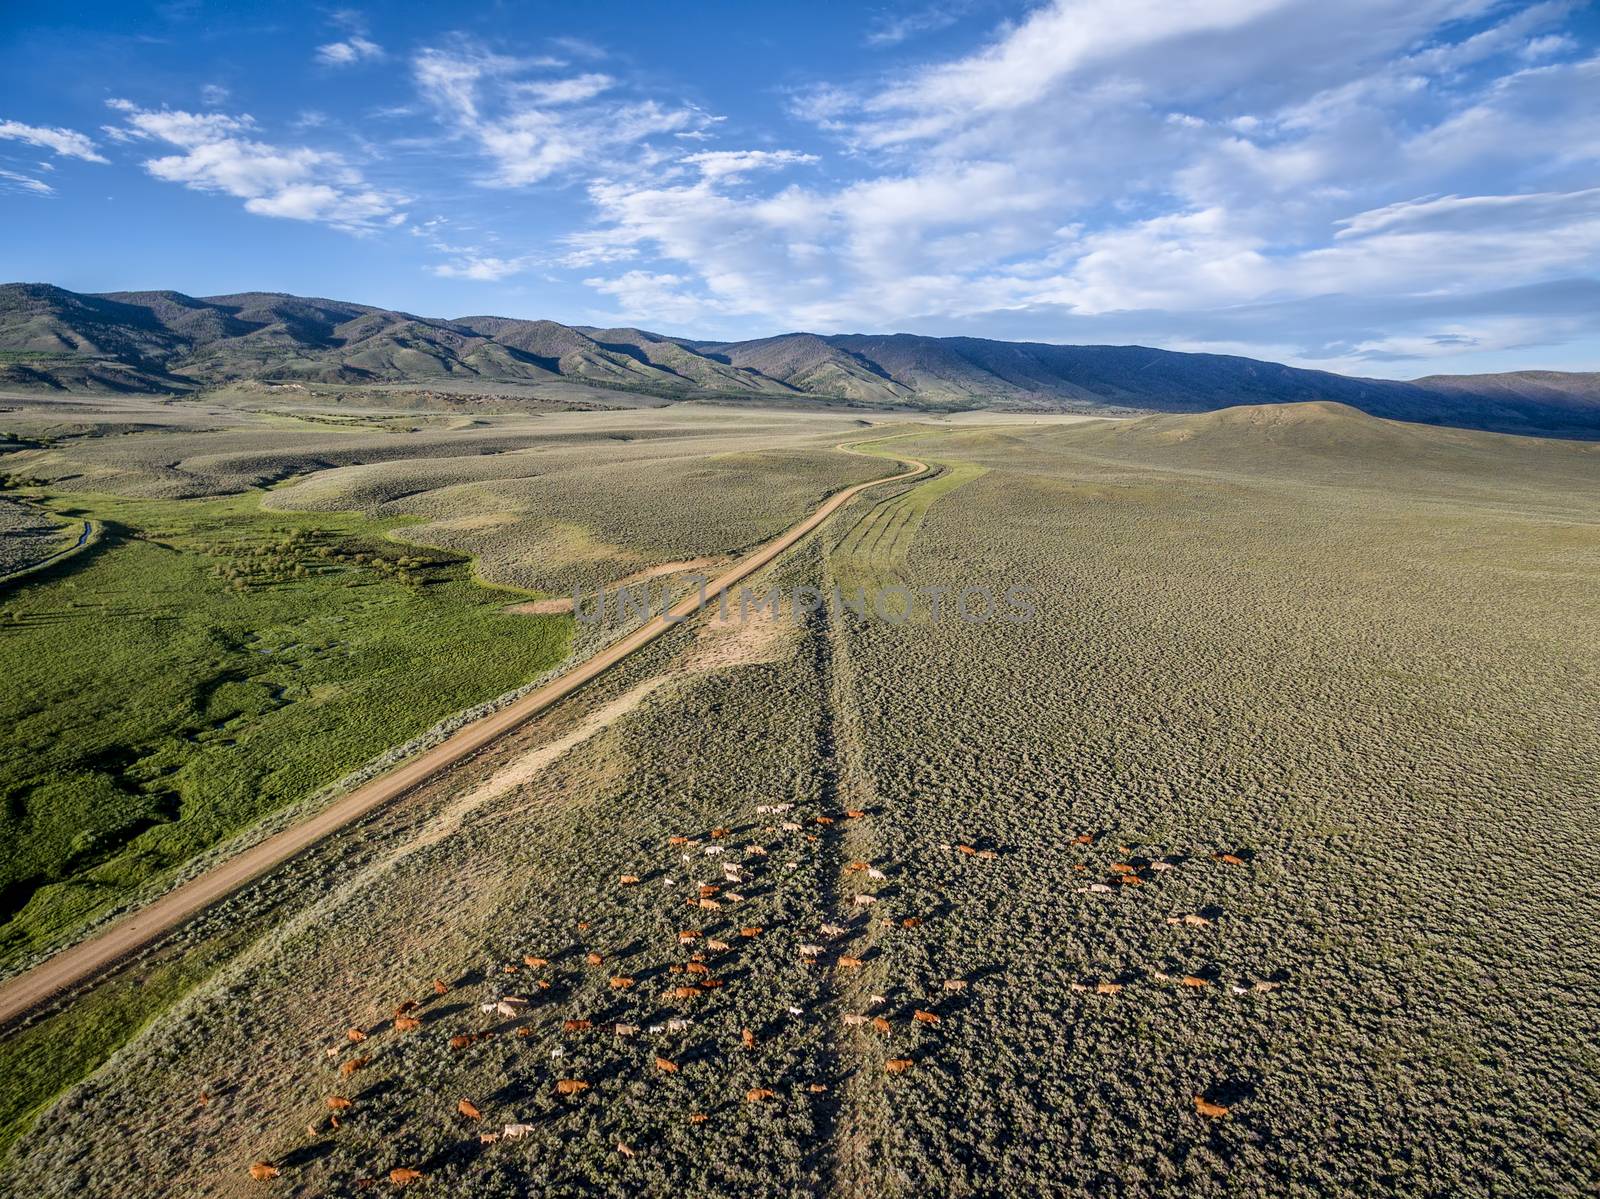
point(1350, 659)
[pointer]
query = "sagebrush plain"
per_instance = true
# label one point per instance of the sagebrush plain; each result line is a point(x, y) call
point(1251, 864)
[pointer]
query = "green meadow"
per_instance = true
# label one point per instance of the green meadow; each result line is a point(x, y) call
point(208, 663)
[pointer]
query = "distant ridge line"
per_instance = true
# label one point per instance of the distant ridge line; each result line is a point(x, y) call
point(165, 342)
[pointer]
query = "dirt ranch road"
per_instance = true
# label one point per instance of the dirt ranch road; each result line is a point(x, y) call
point(74, 966)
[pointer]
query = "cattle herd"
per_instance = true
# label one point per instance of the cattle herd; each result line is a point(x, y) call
point(703, 880)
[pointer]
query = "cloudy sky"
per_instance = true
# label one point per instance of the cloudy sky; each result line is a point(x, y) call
point(1385, 187)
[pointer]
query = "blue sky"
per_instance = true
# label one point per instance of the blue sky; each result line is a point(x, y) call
point(1384, 187)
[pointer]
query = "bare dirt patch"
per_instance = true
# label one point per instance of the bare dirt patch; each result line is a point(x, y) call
point(728, 639)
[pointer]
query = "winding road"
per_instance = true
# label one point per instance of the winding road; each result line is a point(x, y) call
point(89, 958)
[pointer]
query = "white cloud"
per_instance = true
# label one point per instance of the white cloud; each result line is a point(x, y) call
point(218, 153)
point(1052, 44)
point(724, 164)
point(354, 49)
point(214, 94)
point(1151, 169)
point(658, 296)
point(66, 142)
point(891, 29)
point(532, 130)
point(564, 91)
point(1547, 47)
point(16, 181)
point(484, 269)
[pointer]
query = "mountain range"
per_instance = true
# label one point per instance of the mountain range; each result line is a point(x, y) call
point(167, 342)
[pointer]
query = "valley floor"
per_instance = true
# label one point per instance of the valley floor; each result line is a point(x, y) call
point(1323, 688)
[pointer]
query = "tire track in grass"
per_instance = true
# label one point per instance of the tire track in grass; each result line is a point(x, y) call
point(875, 548)
point(860, 1118)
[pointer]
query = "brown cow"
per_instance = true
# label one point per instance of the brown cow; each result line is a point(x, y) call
point(627, 880)
point(577, 1025)
point(748, 1038)
point(620, 983)
point(350, 1067)
point(401, 1175)
point(469, 1109)
point(406, 1024)
point(356, 1035)
point(594, 959)
point(571, 1086)
point(1121, 868)
point(439, 987)
point(409, 1005)
point(698, 968)
point(1231, 859)
point(858, 867)
point(685, 992)
point(854, 813)
point(535, 962)
point(879, 1023)
point(460, 1041)
point(707, 890)
point(849, 962)
point(898, 1065)
point(1206, 1108)
point(666, 1066)
point(677, 840)
point(719, 833)
point(922, 1017)
point(966, 849)
point(759, 1094)
point(751, 931)
point(910, 921)
point(1192, 980)
point(1108, 988)
point(698, 1117)
point(262, 1171)
point(713, 943)
point(338, 1103)
point(687, 935)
